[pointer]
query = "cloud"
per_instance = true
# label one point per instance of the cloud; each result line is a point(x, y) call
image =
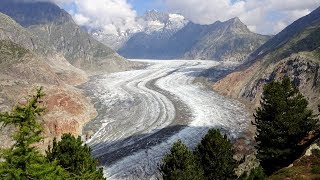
point(111, 16)
point(262, 16)
point(205, 11)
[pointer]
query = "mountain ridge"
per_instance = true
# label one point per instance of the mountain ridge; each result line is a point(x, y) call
point(56, 28)
point(194, 41)
point(294, 52)
point(283, 36)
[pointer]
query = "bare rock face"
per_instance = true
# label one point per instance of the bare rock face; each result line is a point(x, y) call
point(294, 52)
point(22, 71)
point(67, 110)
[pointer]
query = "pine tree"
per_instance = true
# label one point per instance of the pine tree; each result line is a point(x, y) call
point(22, 160)
point(282, 121)
point(75, 157)
point(216, 153)
point(181, 164)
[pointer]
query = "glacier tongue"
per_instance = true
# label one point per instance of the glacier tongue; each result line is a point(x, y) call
point(143, 112)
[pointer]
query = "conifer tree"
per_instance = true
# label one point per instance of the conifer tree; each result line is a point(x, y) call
point(74, 156)
point(22, 160)
point(282, 121)
point(181, 164)
point(215, 153)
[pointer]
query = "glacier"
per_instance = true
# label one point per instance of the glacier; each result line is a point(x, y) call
point(143, 112)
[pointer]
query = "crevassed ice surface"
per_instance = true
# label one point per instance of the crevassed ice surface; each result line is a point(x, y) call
point(143, 112)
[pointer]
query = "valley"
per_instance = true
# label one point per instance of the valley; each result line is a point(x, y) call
point(106, 83)
point(141, 113)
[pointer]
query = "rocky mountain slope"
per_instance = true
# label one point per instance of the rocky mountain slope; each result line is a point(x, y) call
point(12, 31)
point(22, 71)
point(56, 28)
point(230, 40)
point(26, 62)
point(294, 52)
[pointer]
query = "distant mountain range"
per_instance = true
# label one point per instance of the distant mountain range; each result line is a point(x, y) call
point(151, 23)
point(171, 36)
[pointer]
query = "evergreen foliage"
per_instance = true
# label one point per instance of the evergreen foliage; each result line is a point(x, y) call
point(181, 164)
point(216, 153)
point(282, 121)
point(22, 160)
point(75, 157)
point(255, 174)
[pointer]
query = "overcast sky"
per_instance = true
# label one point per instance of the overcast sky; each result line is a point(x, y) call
point(261, 16)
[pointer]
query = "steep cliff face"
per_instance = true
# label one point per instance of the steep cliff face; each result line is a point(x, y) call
point(294, 52)
point(56, 28)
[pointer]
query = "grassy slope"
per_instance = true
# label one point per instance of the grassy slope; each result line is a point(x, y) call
point(307, 167)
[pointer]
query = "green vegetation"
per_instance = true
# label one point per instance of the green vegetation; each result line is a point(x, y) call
point(315, 169)
point(213, 159)
point(181, 164)
point(282, 122)
point(216, 153)
point(255, 174)
point(307, 166)
point(285, 128)
point(74, 157)
point(24, 161)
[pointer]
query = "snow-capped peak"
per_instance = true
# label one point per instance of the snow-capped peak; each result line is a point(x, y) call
point(151, 22)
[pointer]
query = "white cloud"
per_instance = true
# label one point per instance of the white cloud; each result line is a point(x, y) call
point(205, 11)
point(111, 16)
point(80, 19)
point(257, 14)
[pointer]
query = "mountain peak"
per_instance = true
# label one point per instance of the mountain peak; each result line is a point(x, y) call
point(154, 15)
point(236, 24)
point(234, 20)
